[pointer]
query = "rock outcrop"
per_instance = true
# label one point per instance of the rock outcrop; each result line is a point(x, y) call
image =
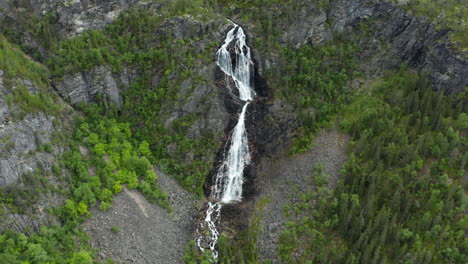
point(412, 40)
point(19, 147)
point(20, 140)
point(27, 157)
point(85, 86)
point(73, 16)
point(417, 42)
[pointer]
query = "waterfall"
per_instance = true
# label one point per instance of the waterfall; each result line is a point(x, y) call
point(242, 73)
point(227, 186)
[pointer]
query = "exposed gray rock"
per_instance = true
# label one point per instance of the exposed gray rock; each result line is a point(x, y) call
point(4, 110)
point(203, 100)
point(187, 27)
point(75, 16)
point(18, 145)
point(32, 217)
point(85, 86)
point(309, 27)
point(20, 159)
point(198, 96)
point(344, 12)
point(413, 40)
point(147, 233)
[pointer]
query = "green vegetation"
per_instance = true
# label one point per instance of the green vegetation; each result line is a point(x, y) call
point(19, 197)
point(27, 103)
point(43, 29)
point(445, 13)
point(130, 42)
point(115, 229)
point(53, 244)
point(18, 68)
point(238, 248)
point(194, 256)
point(181, 7)
point(308, 238)
point(103, 156)
point(243, 247)
point(104, 152)
point(314, 81)
point(114, 159)
point(15, 64)
point(401, 199)
point(311, 78)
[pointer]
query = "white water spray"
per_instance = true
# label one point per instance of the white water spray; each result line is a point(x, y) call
point(227, 186)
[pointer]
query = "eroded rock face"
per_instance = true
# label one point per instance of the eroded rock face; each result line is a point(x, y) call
point(417, 42)
point(75, 16)
point(85, 86)
point(4, 110)
point(395, 36)
point(24, 164)
point(20, 160)
point(19, 146)
point(411, 39)
point(203, 100)
point(20, 139)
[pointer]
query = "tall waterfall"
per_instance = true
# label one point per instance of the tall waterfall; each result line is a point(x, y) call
point(227, 186)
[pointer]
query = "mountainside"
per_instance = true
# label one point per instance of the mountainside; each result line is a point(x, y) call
point(115, 121)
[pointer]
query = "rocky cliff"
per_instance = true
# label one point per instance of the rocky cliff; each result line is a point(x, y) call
point(389, 36)
point(72, 17)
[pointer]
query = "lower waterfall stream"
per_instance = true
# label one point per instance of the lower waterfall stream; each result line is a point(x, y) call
point(227, 184)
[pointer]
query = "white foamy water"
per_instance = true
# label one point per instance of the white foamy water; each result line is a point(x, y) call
point(227, 185)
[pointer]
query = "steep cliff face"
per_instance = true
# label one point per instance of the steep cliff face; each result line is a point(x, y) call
point(72, 17)
point(85, 86)
point(413, 40)
point(392, 36)
point(29, 152)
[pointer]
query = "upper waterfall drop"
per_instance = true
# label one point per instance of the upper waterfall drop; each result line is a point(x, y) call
point(242, 72)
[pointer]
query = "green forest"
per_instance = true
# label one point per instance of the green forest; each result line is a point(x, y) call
point(402, 192)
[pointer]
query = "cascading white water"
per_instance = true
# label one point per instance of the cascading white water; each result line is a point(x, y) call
point(228, 182)
point(242, 72)
point(227, 186)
